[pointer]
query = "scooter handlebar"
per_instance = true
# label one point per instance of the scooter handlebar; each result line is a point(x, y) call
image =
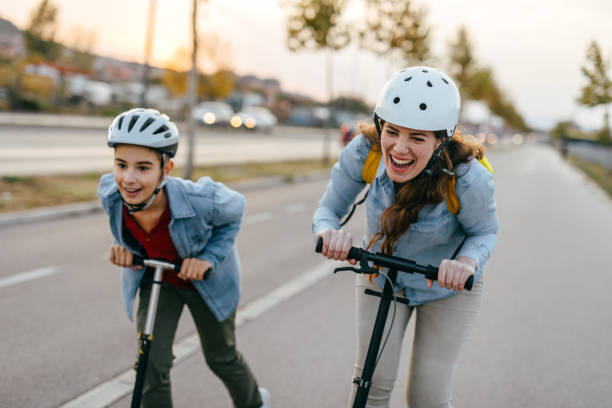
point(140, 261)
point(429, 271)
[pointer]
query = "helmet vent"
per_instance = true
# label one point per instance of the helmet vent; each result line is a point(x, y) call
point(162, 129)
point(445, 81)
point(167, 135)
point(396, 100)
point(132, 122)
point(424, 70)
point(147, 123)
point(423, 106)
point(120, 122)
point(408, 79)
point(429, 84)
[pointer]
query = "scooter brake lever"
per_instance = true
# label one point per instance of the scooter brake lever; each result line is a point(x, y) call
point(366, 271)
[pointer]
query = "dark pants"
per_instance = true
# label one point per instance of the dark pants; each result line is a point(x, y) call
point(217, 340)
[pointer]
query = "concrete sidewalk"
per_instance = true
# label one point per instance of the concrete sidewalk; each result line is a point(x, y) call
point(53, 120)
point(90, 207)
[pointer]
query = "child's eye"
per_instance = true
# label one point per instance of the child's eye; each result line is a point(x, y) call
point(143, 168)
point(121, 165)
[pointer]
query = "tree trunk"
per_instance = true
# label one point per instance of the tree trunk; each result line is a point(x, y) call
point(330, 95)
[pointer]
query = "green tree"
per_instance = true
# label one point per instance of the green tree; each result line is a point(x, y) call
point(462, 65)
point(351, 103)
point(477, 82)
point(598, 90)
point(40, 34)
point(395, 29)
point(315, 25)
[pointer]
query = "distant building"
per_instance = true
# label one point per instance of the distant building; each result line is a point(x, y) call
point(12, 44)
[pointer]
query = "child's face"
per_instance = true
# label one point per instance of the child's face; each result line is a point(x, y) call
point(406, 151)
point(137, 172)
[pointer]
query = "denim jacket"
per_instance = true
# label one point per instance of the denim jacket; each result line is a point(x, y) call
point(436, 234)
point(205, 219)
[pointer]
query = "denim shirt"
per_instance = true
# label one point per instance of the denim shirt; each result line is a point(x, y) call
point(205, 219)
point(434, 236)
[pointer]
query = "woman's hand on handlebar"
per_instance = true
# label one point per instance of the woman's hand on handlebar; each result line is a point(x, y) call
point(121, 257)
point(452, 274)
point(336, 244)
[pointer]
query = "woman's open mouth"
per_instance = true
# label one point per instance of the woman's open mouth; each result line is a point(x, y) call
point(399, 164)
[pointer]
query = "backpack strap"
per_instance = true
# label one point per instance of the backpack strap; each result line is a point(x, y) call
point(373, 160)
point(371, 164)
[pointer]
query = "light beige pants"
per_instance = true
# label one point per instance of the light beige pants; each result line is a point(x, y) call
point(441, 329)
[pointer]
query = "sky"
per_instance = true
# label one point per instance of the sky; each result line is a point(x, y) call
point(535, 48)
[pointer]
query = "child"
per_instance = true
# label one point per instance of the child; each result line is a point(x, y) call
point(156, 216)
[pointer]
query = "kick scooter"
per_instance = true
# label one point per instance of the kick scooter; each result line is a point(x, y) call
point(395, 264)
point(146, 337)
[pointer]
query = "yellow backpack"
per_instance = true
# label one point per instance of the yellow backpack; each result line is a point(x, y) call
point(371, 166)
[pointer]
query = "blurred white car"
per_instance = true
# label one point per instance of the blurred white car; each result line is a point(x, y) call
point(212, 113)
point(254, 117)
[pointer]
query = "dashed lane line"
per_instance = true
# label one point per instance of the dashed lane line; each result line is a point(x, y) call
point(117, 387)
point(258, 217)
point(28, 276)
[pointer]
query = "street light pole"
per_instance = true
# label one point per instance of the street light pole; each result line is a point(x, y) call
point(148, 45)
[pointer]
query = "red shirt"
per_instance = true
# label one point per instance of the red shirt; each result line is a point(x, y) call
point(158, 244)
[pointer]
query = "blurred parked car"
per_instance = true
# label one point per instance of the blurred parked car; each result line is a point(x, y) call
point(212, 113)
point(256, 118)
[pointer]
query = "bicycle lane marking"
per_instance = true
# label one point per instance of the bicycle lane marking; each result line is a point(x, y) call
point(121, 385)
point(258, 217)
point(27, 276)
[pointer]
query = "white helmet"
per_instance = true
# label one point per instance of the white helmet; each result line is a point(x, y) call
point(420, 98)
point(144, 127)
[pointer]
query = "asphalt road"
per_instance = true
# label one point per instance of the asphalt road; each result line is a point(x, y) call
point(542, 339)
point(29, 150)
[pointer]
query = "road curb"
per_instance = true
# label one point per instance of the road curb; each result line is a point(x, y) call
point(18, 218)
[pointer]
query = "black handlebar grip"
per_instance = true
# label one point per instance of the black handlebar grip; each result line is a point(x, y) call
point(354, 253)
point(469, 283)
point(432, 274)
point(137, 260)
point(319, 247)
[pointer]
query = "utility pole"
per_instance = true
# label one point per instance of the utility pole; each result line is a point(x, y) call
point(191, 92)
point(148, 45)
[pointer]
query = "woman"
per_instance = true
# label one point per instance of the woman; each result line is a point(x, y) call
point(156, 216)
point(429, 197)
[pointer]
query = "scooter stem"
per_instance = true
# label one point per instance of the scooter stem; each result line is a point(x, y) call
point(153, 300)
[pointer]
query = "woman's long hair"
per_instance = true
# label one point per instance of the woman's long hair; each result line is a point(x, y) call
point(416, 194)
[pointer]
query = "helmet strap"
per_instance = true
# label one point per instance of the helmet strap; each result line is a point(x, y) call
point(427, 171)
point(377, 123)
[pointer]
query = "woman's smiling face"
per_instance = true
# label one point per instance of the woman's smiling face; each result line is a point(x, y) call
point(406, 151)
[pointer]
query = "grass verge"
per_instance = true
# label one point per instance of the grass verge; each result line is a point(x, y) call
point(597, 173)
point(23, 193)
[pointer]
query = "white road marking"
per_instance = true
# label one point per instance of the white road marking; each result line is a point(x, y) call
point(27, 276)
point(116, 388)
point(258, 217)
point(295, 208)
